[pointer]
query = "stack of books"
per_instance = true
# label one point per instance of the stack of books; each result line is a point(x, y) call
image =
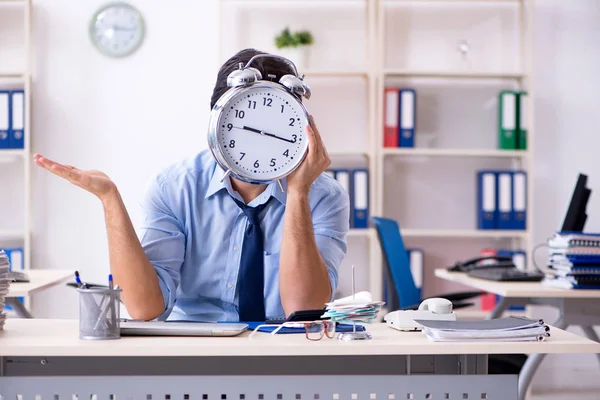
point(510, 329)
point(573, 261)
point(4, 283)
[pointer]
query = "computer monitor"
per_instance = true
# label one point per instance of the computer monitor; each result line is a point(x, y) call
point(576, 213)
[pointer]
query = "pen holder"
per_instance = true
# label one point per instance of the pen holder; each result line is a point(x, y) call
point(99, 317)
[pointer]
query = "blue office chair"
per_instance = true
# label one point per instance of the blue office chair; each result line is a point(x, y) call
point(403, 294)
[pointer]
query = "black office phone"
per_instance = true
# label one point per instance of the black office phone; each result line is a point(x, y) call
point(473, 264)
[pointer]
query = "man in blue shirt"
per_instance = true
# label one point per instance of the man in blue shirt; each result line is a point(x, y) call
point(187, 264)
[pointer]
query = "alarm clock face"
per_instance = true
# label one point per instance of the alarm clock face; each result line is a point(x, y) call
point(258, 132)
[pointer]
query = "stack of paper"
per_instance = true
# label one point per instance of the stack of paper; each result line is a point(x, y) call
point(573, 261)
point(512, 329)
point(358, 308)
point(4, 282)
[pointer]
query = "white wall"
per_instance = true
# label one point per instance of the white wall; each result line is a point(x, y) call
point(567, 58)
point(125, 117)
point(567, 61)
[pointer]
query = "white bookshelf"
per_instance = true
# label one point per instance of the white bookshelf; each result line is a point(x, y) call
point(335, 74)
point(9, 155)
point(11, 235)
point(516, 76)
point(376, 71)
point(9, 158)
point(454, 152)
point(12, 75)
point(454, 74)
point(370, 232)
point(463, 233)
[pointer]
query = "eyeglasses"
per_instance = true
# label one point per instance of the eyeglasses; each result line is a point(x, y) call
point(314, 330)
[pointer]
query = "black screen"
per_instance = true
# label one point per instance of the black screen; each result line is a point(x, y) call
point(576, 213)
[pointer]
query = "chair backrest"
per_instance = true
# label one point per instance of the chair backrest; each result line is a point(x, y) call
point(397, 263)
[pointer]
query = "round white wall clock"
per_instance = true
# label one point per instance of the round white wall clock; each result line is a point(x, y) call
point(117, 29)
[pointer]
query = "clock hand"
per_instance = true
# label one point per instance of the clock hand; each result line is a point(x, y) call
point(122, 28)
point(247, 128)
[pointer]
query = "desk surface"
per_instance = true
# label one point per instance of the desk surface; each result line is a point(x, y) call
point(39, 279)
point(515, 289)
point(41, 337)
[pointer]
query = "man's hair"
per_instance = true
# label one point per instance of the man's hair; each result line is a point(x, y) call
point(266, 66)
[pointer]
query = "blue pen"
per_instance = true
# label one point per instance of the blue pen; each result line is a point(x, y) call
point(112, 297)
point(80, 284)
point(106, 305)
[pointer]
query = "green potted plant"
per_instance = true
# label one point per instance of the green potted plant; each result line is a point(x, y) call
point(295, 46)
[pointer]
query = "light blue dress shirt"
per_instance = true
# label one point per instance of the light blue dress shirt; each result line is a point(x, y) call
point(193, 232)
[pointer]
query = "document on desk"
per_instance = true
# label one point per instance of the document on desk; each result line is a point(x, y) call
point(488, 325)
point(500, 329)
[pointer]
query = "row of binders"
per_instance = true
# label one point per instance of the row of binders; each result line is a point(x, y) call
point(12, 119)
point(573, 261)
point(356, 183)
point(400, 118)
point(400, 105)
point(502, 199)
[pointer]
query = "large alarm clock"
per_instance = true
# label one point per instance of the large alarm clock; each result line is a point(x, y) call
point(257, 129)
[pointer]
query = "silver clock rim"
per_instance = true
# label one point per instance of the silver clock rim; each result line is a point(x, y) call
point(105, 7)
point(213, 127)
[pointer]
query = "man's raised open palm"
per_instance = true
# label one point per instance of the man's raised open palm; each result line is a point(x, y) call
point(95, 182)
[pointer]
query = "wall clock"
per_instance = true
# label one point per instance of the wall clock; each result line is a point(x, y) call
point(117, 29)
point(257, 129)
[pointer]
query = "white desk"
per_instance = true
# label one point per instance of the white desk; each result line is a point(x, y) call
point(516, 289)
point(46, 357)
point(39, 279)
point(576, 307)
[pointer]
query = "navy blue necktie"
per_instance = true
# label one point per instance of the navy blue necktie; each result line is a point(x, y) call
point(251, 279)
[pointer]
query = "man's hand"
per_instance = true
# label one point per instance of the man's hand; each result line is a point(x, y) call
point(95, 182)
point(128, 262)
point(303, 276)
point(316, 162)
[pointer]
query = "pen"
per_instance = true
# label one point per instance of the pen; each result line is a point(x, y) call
point(113, 313)
point(106, 304)
point(80, 284)
point(78, 280)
